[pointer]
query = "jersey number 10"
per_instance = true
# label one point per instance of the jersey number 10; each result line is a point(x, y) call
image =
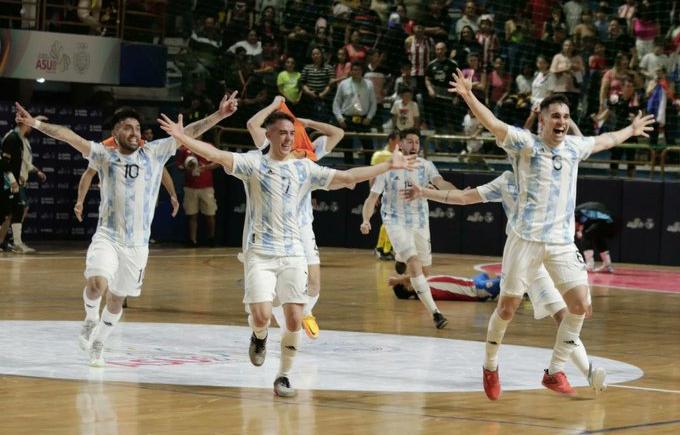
point(131, 171)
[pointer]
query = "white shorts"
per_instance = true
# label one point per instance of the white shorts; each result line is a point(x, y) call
point(267, 278)
point(309, 244)
point(200, 200)
point(410, 242)
point(122, 267)
point(544, 297)
point(523, 258)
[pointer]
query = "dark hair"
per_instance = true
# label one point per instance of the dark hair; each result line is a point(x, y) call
point(401, 292)
point(405, 63)
point(405, 132)
point(404, 88)
point(358, 63)
point(277, 116)
point(394, 135)
point(124, 113)
point(554, 99)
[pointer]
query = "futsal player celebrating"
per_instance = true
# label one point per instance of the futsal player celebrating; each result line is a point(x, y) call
point(544, 297)
point(130, 178)
point(323, 145)
point(546, 169)
point(408, 223)
point(274, 258)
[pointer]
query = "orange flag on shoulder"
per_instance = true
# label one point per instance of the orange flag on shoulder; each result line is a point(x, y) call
point(303, 145)
point(110, 143)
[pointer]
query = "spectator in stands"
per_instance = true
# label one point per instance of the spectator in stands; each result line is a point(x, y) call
point(627, 12)
point(404, 80)
point(585, 29)
point(472, 128)
point(651, 62)
point(500, 83)
point(645, 29)
point(205, 43)
point(660, 94)
point(419, 50)
point(88, 13)
point(567, 68)
point(437, 23)
point(393, 43)
point(553, 46)
point(478, 75)
point(517, 40)
point(556, 21)
point(289, 84)
point(356, 52)
point(268, 27)
point(378, 75)
point(317, 80)
point(572, 14)
point(297, 23)
point(342, 66)
point(621, 109)
point(602, 23)
point(147, 134)
point(367, 22)
point(323, 42)
point(251, 89)
point(406, 23)
point(612, 81)
point(405, 112)
point(239, 20)
point(466, 44)
point(487, 38)
point(541, 87)
point(524, 79)
point(469, 19)
point(439, 107)
point(199, 194)
point(252, 45)
point(354, 107)
point(597, 62)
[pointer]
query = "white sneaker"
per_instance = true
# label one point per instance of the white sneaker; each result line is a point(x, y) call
point(596, 379)
point(22, 248)
point(85, 334)
point(96, 354)
point(282, 387)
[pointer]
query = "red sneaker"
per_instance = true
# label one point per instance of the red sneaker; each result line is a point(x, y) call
point(558, 383)
point(492, 385)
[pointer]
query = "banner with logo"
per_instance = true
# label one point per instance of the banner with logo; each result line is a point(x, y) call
point(670, 225)
point(330, 217)
point(641, 224)
point(59, 56)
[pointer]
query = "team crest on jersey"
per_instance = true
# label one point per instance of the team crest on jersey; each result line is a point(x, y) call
point(557, 162)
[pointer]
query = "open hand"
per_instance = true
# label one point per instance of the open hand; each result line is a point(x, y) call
point(460, 84)
point(412, 192)
point(642, 124)
point(23, 117)
point(400, 161)
point(174, 129)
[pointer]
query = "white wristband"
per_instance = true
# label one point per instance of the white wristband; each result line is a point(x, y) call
point(37, 124)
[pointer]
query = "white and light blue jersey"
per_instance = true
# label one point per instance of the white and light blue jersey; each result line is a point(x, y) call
point(546, 181)
point(502, 189)
point(274, 193)
point(129, 188)
point(395, 210)
point(306, 211)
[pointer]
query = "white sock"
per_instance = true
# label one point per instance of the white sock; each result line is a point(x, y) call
point(91, 307)
point(566, 341)
point(290, 343)
point(260, 333)
point(106, 325)
point(16, 233)
point(309, 306)
point(494, 336)
point(580, 359)
point(279, 316)
point(590, 257)
point(422, 289)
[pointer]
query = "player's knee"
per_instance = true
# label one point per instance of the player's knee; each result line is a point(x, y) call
point(97, 285)
point(294, 320)
point(114, 303)
point(506, 307)
point(414, 266)
point(579, 307)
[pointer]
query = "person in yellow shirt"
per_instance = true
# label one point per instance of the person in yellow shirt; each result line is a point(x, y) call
point(383, 249)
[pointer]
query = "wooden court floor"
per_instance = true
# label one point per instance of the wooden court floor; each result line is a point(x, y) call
point(204, 287)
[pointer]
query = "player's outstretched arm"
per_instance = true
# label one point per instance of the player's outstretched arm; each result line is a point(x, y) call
point(367, 212)
point(333, 133)
point(170, 188)
point(203, 149)
point(83, 187)
point(463, 87)
point(640, 126)
point(357, 175)
point(227, 107)
point(254, 124)
point(55, 131)
point(451, 196)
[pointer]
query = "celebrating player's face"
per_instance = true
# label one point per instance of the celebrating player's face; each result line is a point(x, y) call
point(128, 134)
point(555, 120)
point(410, 144)
point(281, 135)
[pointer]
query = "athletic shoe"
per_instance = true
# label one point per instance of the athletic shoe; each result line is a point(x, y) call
point(22, 248)
point(85, 334)
point(596, 378)
point(311, 327)
point(7, 246)
point(96, 354)
point(389, 256)
point(558, 383)
point(492, 384)
point(606, 268)
point(400, 267)
point(257, 350)
point(282, 387)
point(439, 320)
point(378, 253)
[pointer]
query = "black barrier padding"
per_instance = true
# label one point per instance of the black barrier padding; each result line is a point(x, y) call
point(641, 232)
point(233, 215)
point(355, 201)
point(445, 221)
point(330, 217)
point(608, 191)
point(670, 226)
point(482, 225)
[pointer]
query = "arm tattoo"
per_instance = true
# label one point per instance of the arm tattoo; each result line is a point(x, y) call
point(199, 127)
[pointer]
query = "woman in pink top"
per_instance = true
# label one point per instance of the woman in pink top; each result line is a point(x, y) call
point(499, 83)
point(645, 29)
point(342, 67)
point(612, 81)
point(478, 75)
point(355, 51)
